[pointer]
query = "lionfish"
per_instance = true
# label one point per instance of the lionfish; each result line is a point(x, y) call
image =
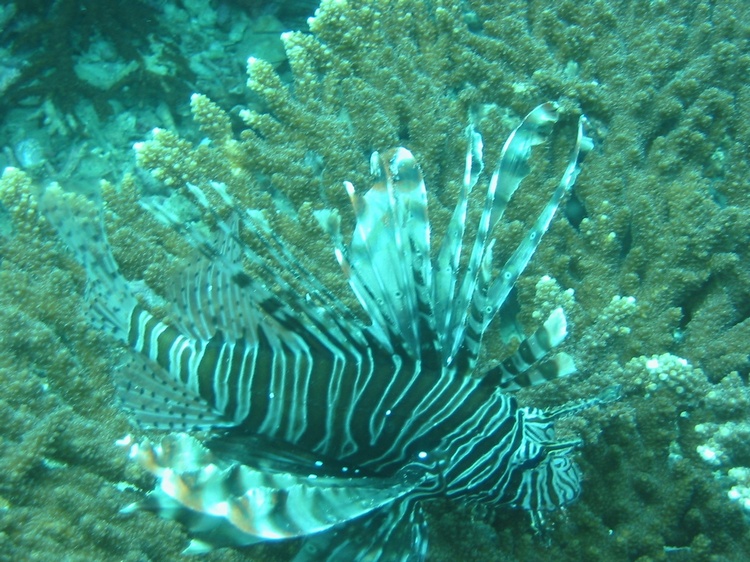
point(323, 425)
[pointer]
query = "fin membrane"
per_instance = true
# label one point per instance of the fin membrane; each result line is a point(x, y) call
point(231, 504)
point(397, 533)
point(156, 400)
point(80, 225)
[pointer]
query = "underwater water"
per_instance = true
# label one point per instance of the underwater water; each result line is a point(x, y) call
point(647, 256)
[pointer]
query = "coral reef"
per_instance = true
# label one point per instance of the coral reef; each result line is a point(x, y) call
point(650, 259)
point(82, 81)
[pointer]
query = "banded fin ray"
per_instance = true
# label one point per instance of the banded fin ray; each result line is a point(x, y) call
point(397, 534)
point(388, 263)
point(210, 282)
point(443, 311)
point(511, 169)
point(79, 223)
point(517, 262)
point(475, 304)
point(320, 314)
point(156, 400)
point(214, 496)
point(211, 295)
point(449, 254)
point(528, 365)
point(155, 397)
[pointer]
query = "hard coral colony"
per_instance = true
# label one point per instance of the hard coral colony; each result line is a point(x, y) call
point(295, 407)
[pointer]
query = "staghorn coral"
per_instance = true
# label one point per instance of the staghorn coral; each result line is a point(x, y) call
point(60, 483)
point(663, 216)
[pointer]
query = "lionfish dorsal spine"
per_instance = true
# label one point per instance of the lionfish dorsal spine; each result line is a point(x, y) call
point(529, 365)
point(490, 296)
point(330, 222)
point(449, 253)
point(510, 171)
point(517, 262)
point(388, 261)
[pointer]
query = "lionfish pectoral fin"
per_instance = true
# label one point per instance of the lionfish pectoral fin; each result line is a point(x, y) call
point(226, 504)
point(528, 365)
point(395, 533)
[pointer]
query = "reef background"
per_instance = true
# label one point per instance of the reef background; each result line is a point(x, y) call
point(660, 213)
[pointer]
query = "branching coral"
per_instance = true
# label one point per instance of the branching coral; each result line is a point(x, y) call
point(662, 216)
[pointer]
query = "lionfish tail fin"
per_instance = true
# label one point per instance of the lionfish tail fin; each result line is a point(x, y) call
point(157, 400)
point(79, 223)
point(154, 397)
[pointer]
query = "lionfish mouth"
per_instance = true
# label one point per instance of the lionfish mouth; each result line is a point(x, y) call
point(325, 426)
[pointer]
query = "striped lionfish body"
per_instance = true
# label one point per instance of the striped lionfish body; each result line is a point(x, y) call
point(325, 426)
